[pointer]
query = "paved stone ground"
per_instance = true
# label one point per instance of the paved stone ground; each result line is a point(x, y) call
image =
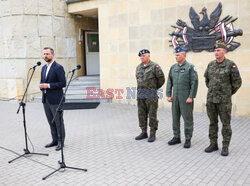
point(102, 140)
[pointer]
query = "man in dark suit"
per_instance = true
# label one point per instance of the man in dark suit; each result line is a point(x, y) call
point(52, 83)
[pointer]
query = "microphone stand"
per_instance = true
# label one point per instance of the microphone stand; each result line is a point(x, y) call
point(23, 104)
point(59, 110)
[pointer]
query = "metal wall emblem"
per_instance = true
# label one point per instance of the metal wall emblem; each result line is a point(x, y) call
point(206, 32)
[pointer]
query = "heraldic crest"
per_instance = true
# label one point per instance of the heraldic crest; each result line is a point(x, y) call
point(206, 32)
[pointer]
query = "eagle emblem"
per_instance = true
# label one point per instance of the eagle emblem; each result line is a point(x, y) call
point(206, 31)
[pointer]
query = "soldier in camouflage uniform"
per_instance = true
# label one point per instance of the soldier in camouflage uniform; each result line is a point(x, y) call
point(222, 80)
point(184, 80)
point(149, 78)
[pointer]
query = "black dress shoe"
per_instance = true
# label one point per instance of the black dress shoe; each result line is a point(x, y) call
point(52, 144)
point(187, 144)
point(224, 151)
point(151, 138)
point(174, 141)
point(59, 147)
point(141, 136)
point(211, 148)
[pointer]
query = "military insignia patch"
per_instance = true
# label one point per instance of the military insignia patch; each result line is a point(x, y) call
point(182, 70)
point(234, 66)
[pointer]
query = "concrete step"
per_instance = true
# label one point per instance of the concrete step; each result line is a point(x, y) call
point(87, 83)
point(79, 91)
point(76, 96)
point(89, 78)
point(82, 87)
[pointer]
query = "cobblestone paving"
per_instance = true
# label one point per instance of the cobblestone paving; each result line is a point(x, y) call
point(102, 141)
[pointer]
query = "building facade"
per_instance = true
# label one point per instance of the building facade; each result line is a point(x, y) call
point(104, 36)
point(26, 27)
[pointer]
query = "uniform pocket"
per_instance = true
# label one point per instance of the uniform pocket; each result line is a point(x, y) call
point(224, 75)
point(185, 77)
point(149, 74)
point(138, 74)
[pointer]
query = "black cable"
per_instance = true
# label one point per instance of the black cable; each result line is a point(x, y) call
point(66, 83)
point(13, 98)
point(10, 150)
point(73, 77)
point(67, 79)
point(27, 134)
point(26, 157)
point(33, 148)
point(27, 79)
point(67, 76)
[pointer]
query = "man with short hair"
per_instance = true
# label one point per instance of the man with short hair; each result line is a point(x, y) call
point(150, 78)
point(183, 80)
point(222, 80)
point(52, 83)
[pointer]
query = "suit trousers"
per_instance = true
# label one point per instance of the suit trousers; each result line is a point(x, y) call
point(55, 128)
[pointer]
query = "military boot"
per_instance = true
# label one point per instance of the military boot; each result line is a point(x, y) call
point(143, 135)
point(211, 148)
point(224, 151)
point(151, 137)
point(174, 141)
point(187, 144)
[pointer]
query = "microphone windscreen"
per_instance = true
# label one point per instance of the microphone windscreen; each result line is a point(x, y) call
point(38, 63)
point(78, 66)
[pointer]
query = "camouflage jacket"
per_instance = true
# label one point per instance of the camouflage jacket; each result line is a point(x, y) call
point(150, 76)
point(183, 79)
point(222, 80)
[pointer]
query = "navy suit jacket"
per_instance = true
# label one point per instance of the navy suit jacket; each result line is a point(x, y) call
point(56, 79)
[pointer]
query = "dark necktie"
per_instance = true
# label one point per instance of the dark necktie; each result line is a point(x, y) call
point(44, 72)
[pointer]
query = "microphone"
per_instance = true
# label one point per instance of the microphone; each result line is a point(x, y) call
point(37, 64)
point(76, 68)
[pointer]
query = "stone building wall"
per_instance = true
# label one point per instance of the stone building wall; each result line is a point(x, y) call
point(26, 27)
point(126, 26)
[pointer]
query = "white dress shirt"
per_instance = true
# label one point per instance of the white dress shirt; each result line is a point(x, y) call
point(47, 71)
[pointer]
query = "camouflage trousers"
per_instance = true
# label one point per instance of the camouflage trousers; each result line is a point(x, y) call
point(181, 108)
point(224, 111)
point(147, 108)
